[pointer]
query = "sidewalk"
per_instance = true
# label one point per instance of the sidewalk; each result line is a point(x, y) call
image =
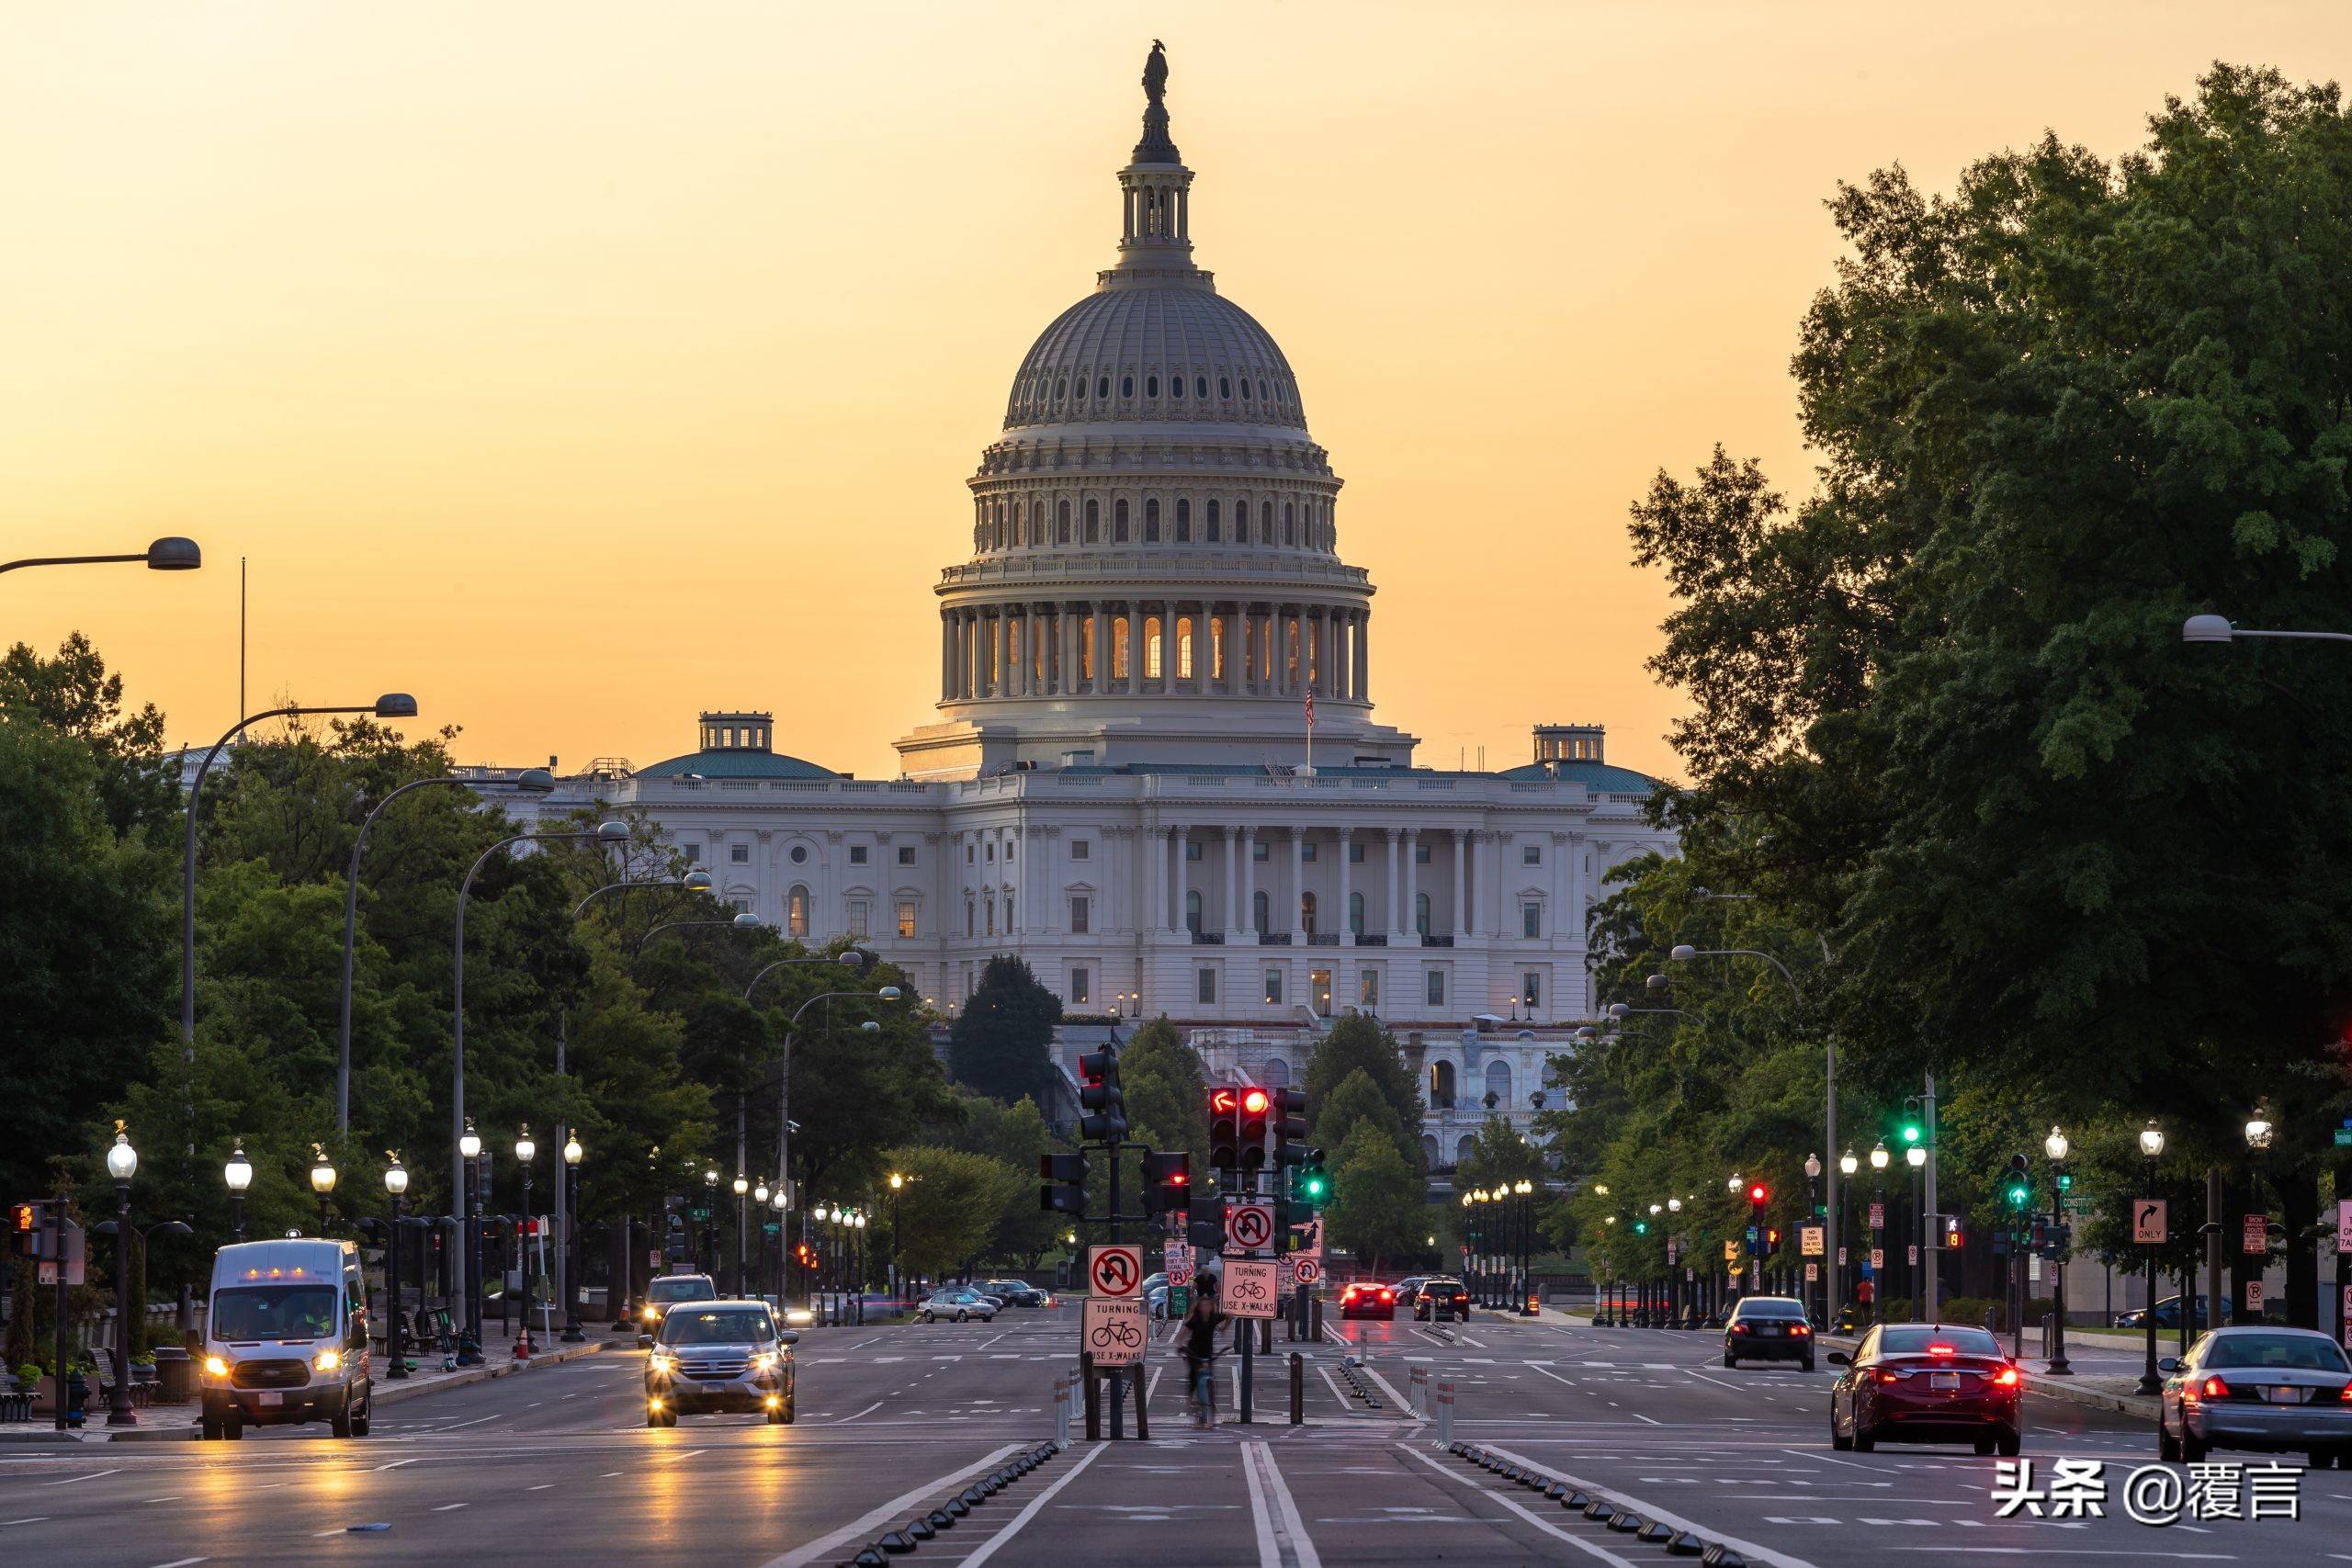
point(179, 1423)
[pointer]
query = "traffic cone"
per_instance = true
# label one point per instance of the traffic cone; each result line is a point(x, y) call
point(523, 1345)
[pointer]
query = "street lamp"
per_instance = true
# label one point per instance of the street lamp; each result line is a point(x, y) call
point(396, 1185)
point(2055, 1145)
point(710, 1216)
point(526, 1149)
point(170, 553)
point(470, 1198)
point(1812, 1212)
point(122, 1163)
point(741, 1187)
point(322, 1181)
point(239, 1174)
point(572, 1155)
point(2217, 628)
point(1879, 1159)
point(2152, 1145)
point(862, 960)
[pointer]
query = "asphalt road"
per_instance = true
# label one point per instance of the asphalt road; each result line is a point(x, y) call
point(557, 1465)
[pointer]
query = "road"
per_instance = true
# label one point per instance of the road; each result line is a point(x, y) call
point(557, 1465)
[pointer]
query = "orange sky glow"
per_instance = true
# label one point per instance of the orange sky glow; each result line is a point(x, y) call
point(575, 365)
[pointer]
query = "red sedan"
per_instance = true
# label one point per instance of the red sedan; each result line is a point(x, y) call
point(1367, 1300)
point(1913, 1384)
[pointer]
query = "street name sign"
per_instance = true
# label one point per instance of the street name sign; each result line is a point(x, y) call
point(2148, 1228)
point(1250, 1287)
point(1114, 1271)
point(1114, 1331)
point(1249, 1226)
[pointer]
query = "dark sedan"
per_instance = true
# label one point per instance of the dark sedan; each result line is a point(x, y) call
point(1441, 1296)
point(1013, 1292)
point(1914, 1384)
point(1768, 1328)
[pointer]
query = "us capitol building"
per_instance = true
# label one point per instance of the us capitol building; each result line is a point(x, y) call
point(1114, 783)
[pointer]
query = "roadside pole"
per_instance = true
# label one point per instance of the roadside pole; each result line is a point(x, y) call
point(65, 1308)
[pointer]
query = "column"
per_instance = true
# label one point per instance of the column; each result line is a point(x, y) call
point(1066, 674)
point(1327, 653)
point(1134, 648)
point(946, 655)
point(1389, 890)
point(1345, 926)
point(1232, 921)
point(1248, 851)
point(1099, 626)
point(1297, 887)
point(1000, 669)
point(1461, 884)
point(1168, 649)
point(1278, 646)
point(1364, 655)
point(1016, 648)
point(1412, 880)
point(1154, 878)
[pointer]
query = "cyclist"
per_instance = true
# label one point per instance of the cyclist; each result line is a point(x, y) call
point(1200, 1324)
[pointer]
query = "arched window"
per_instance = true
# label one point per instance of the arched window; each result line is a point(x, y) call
point(1151, 522)
point(1193, 910)
point(1429, 1151)
point(1151, 386)
point(1306, 913)
point(1183, 521)
point(1176, 386)
point(1497, 1085)
point(1211, 533)
point(1093, 521)
point(1119, 521)
point(1265, 521)
point(1258, 907)
point(1274, 1073)
point(1118, 647)
point(1061, 388)
point(1036, 524)
point(996, 531)
point(1245, 388)
point(1126, 386)
point(968, 917)
point(1200, 385)
point(1290, 523)
point(1421, 913)
point(1225, 387)
point(1355, 913)
point(991, 902)
point(1151, 649)
point(1103, 387)
point(796, 913)
point(1183, 648)
point(1461, 1149)
point(1261, 390)
point(1441, 1087)
point(1061, 523)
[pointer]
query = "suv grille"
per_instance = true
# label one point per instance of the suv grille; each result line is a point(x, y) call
point(270, 1374)
point(730, 1365)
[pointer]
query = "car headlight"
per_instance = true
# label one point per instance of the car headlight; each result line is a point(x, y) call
point(662, 1361)
point(766, 1361)
point(800, 1316)
point(649, 1313)
point(328, 1360)
point(214, 1367)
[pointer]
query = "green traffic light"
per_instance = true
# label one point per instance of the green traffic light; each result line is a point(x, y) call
point(1911, 1131)
point(1641, 1227)
point(2018, 1196)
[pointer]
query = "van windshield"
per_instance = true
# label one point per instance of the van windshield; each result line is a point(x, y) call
point(726, 1326)
point(273, 1312)
point(680, 1288)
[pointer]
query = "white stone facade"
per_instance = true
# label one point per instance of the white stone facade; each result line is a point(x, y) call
point(1112, 785)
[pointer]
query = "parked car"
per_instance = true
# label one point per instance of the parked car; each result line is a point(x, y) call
point(1015, 1293)
point(2169, 1314)
point(1409, 1290)
point(1441, 1295)
point(2271, 1390)
point(1155, 1301)
point(959, 1302)
point(1918, 1384)
point(719, 1356)
point(1367, 1299)
point(1768, 1328)
point(286, 1340)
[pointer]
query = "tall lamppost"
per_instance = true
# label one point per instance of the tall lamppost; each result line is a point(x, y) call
point(468, 1190)
point(239, 1174)
point(1812, 1217)
point(1526, 1190)
point(395, 1352)
point(741, 1186)
point(171, 553)
point(1916, 1249)
point(2152, 1146)
point(2259, 1134)
point(610, 832)
point(858, 1272)
point(532, 780)
point(2055, 1146)
point(783, 1247)
point(1879, 1159)
point(526, 1149)
point(861, 959)
point(898, 1180)
point(322, 1181)
point(122, 1163)
point(817, 1212)
point(1677, 1305)
point(744, 921)
point(760, 1207)
point(570, 1176)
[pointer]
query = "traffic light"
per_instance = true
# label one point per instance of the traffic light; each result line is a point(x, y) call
point(2020, 1190)
point(27, 1228)
point(1772, 1239)
point(1256, 1107)
point(1225, 1128)
point(1951, 1231)
point(1167, 1183)
point(1757, 1196)
point(1205, 1221)
point(1290, 1127)
point(1064, 1188)
point(1311, 1183)
point(1912, 1130)
point(804, 1254)
point(1641, 1227)
point(1099, 1095)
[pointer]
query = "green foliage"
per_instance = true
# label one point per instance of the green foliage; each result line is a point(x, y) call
point(1165, 1090)
point(1376, 1208)
point(1000, 1041)
point(1357, 1044)
point(1354, 1103)
point(950, 1209)
point(1013, 1135)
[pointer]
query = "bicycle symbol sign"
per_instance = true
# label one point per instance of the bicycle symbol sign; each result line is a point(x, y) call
point(1112, 1331)
point(1249, 1225)
point(1114, 1271)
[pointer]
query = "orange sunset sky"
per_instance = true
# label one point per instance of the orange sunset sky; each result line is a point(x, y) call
point(574, 365)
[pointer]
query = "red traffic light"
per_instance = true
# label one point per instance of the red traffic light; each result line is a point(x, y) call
point(1223, 1100)
point(1755, 1194)
point(1255, 1101)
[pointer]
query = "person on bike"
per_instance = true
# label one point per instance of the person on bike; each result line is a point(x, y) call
point(1202, 1321)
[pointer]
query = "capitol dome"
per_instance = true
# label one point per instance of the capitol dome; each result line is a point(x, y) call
point(1154, 574)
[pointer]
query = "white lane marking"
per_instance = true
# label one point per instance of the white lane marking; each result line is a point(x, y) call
point(540, 1487)
point(183, 1562)
point(174, 1497)
point(689, 1453)
point(1651, 1420)
point(863, 1528)
point(30, 1520)
point(1546, 1526)
point(397, 1463)
point(1847, 1462)
point(1396, 1400)
point(1282, 1540)
point(867, 1410)
point(448, 1507)
point(988, 1548)
point(1749, 1550)
point(92, 1476)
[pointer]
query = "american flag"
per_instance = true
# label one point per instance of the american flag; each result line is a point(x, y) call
point(1310, 707)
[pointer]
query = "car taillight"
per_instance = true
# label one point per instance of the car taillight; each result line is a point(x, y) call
point(2214, 1388)
point(1387, 1295)
point(2347, 1394)
point(1740, 1328)
point(1349, 1294)
point(1888, 1374)
point(1941, 1350)
point(2006, 1377)
point(1800, 1328)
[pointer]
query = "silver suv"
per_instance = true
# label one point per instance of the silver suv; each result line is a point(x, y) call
point(719, 1356)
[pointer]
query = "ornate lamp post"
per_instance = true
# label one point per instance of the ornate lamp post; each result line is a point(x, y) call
point(395, 1352)
point(469, 1168)
point(760, 1205)
point(859, 1279)
point(2152, 1146)
point(1526, 1192)
point(526, 1149)
point(1916, 1249)
point(741, 1186)
point(122, 1163)
point(711, 1220)
point(239, 1174)
point(572, 1155)
point(1812, 1215)
point(1879, 1159)
point(778, 1200)
point(322, 1181)
point(2055, 1146)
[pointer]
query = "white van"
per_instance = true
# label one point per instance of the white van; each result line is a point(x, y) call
point(286, 1339)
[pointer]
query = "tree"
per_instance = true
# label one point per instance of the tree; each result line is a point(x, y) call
point(1359, 1044)
point(1165, 1090)
point(999, 1043)
point(1376, 1209)
point(949, 1211)
point(1356, 1102)
point(74, 696)
point(1014, 1135)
